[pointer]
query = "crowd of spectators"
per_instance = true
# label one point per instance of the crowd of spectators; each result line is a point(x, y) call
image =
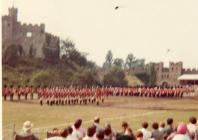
point(157, 131)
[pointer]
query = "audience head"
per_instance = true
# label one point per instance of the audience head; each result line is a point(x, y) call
point(169, 121)
point(69, 129)
point(96, 120)
point(90, 131)
point(100, 135)
point(124, 125)
point(64, 133)
point(107, 131)
point(139, 135)
point(78, 123)
point(145, 125)
point(162, 124)
point(27, 126)
point(155, 125)
point(182, 128)
point(193, 120)
point(55, 131)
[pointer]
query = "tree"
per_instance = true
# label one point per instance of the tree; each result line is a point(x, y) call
point(71, 55)
point(108, 60)
point(129, 61)
point(115, 77)
point(118, 62)
point(85, 77)
point(66, 47)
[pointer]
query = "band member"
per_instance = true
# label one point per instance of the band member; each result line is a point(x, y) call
point(19, 91)
point(5, 92)
point(26, 91)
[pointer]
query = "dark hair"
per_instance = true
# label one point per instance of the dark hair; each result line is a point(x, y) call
point(100, 135)
point(145, 125)
point(155, 125)
point(124, 124)
point(69, 129)
point(193, 120)
point(78, 123)
point(64, 133)
point(97, 120)
point(162, 124)
point(139, 134)
point(90, 131)
point(169, 121)
point(107, 131)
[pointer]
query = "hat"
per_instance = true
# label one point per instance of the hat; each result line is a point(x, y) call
point(27, 126)
point(182, 129)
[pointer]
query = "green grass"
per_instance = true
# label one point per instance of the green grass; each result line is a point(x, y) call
point(134, 110)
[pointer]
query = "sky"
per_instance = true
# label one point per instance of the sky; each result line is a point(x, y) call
point(146, 28)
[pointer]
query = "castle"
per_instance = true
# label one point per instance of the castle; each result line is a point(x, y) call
point(32, 38)
point(166, 75)
point(169, 75)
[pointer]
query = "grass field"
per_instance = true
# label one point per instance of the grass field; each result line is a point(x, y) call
point(134, 110)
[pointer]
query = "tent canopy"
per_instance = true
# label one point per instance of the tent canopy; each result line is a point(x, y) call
point(188, 77)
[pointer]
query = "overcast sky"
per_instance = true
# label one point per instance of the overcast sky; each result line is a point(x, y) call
point(147, 28)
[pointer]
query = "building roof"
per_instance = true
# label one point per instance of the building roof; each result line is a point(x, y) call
point(188, 77)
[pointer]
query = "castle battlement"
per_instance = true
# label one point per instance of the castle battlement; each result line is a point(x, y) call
point(190, 71)
point(29, 36)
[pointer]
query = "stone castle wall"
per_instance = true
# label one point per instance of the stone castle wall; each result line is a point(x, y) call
point(168, 75)
point(30, 37)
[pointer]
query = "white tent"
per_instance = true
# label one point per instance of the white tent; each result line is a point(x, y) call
point(188, 77)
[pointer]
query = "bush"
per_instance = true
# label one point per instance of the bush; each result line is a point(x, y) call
point(43, 77)
point(115, 77)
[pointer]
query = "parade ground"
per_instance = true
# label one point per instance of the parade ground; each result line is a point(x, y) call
point(114, 110)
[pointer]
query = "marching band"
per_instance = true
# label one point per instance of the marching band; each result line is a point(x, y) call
point(63, 95)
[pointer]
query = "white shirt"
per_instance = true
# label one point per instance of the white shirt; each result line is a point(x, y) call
point(146, 134)
point(55, 138)
point(191, 128)
point(181, 137)
point(89, 138)
point(71, 137)
point(77, 133)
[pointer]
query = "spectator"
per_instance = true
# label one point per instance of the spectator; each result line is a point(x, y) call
point(170, 127)
point(90, 133)
point(146, 133)
point(97, 123)
point(64, 133)
point(26, 130)
point(192, 125)
point(171, 136)
point(108, 133)
point(77, 132)
point(139, 135)
point(156, 134)
point(100, 135)
point(124, 127)
point(162, 127)
point(70, 136)
point(181, 133)
point(129, 133)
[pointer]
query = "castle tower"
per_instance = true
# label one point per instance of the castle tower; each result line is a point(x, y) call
point(9, 23)
point(13, 14)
